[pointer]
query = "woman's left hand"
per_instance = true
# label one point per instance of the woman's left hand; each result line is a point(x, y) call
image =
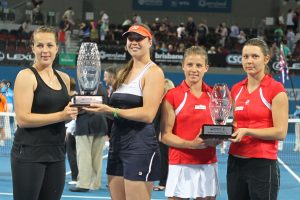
point(97, 107)
point(238, 134)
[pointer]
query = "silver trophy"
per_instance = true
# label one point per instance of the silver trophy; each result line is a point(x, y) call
point(219, 106)
point(88, 75)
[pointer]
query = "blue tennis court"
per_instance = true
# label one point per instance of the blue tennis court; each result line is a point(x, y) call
point(288, 159)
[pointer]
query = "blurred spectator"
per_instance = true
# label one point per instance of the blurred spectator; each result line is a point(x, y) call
point(164, 164)
point(171, 48)
point(162, 33)
point(222, 31)
point(278, 35)
point(69, 14)
point(274, 52)
point(234, 35)
point(91, 129)
point(103, 24)
point(136, 19)
point(126, 24)
point(290, 37)
point(181, 31)
point(286, 50)
point(281, 20)
point(289, 19)
point(190, 27)
point(163, 48)
point(296, 20)
point(24, 31)
point(86, 30)
point(62, 40)
point(3, 108)
point(36, 3)
point(181, 48)
point(156, 24)
point(94, 35)
point(296, 52)
point(261, 29)
point(201, 33)
point(110, 75)
point(242, 37)
point(38, 17)
point(65, 33)
point(7, 91)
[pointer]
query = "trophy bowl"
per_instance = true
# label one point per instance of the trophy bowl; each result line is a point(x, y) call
point(88, 75)
point(219, 106)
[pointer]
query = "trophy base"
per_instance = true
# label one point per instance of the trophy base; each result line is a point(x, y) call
point(85, 100)
point(210, 131)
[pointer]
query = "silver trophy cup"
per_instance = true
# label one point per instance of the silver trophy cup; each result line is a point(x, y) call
point(88, 75)
point(219, 106)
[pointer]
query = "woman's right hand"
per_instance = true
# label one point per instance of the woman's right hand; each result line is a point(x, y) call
point(198, 143)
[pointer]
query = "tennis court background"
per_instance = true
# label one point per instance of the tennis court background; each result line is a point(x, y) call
point(289, 167)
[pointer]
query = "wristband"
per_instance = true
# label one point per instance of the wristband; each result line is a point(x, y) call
point(116, 113)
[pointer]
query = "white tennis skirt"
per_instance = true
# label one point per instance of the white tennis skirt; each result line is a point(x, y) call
point(192, 181)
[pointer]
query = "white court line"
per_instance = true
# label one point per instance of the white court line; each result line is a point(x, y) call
point(75, 197)
point(289, 170)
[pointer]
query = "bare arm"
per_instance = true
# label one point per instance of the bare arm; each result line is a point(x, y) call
point(152, 94)
point(167, 123)
point(25, 85)
point(280, 122)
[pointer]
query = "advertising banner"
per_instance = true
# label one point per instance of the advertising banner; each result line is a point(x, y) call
point(67, 59)
point(183, 5)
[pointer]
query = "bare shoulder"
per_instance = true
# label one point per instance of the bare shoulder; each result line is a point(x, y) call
point(65, 77)
point(26, 75)
point(155, 70)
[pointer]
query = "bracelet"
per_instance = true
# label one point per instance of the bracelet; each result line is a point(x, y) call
point(116, 113)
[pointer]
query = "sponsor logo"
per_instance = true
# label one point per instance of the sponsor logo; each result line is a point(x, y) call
point(19, 57)
point(2, 56)
point(113, 56)
point(295, 66)
point(167, 57)
point(234, 59)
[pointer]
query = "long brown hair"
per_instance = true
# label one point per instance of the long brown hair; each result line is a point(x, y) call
point(263, 47)
point(123, 73)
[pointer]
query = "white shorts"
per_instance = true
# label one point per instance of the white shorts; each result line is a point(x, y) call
point(192, 181)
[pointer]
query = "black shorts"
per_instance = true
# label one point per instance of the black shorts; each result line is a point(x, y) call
point(253, 178)
point(135, 167)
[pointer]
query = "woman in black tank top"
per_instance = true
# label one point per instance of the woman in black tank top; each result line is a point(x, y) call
point(42, 107)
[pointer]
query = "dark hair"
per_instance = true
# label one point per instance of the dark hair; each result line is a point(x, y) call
point(123, 73)
point(263, 47)
point(44, 29)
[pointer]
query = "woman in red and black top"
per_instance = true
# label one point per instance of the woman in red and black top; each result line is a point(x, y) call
point(260, 120)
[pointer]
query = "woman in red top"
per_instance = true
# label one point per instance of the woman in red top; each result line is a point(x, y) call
point(192, 163)
point(260, 120)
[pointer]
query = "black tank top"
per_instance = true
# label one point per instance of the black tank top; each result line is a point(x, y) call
point(45, 143)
